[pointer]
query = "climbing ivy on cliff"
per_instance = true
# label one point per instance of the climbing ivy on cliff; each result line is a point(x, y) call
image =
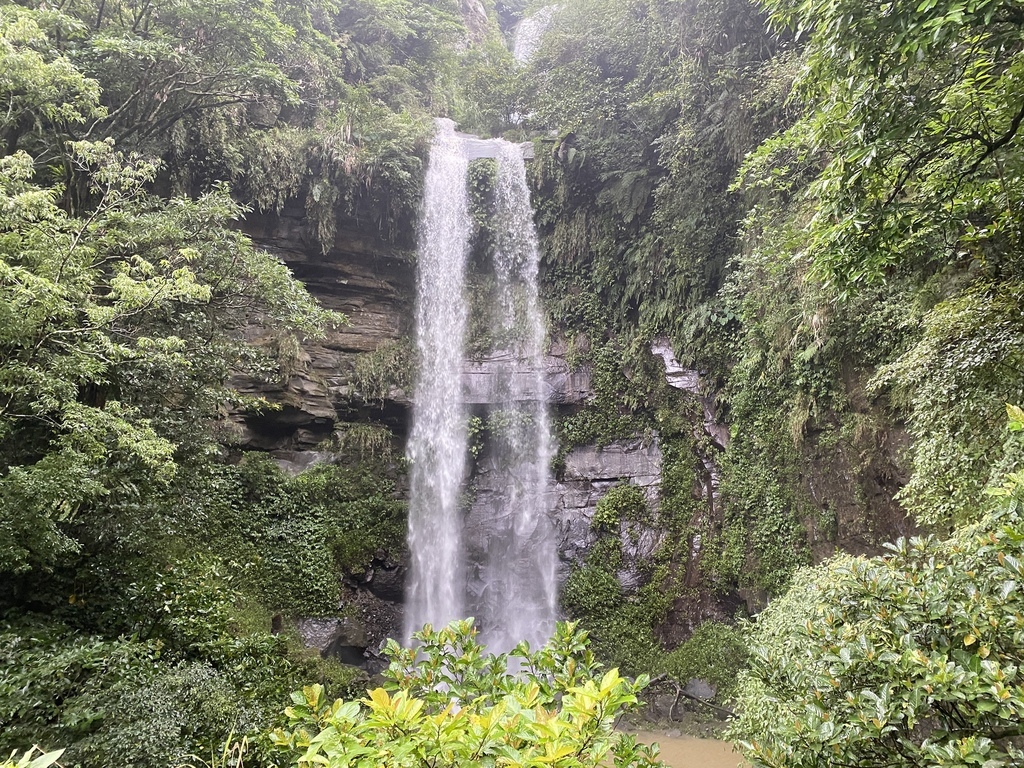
point(858, 281)
point(656, 104)
point(907, 159)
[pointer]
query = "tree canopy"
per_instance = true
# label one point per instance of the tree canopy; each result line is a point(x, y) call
point(914, 112)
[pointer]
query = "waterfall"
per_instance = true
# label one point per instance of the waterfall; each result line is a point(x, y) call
point(437, 443)
point(529, 33)
point(519, 600)
point(514, 594)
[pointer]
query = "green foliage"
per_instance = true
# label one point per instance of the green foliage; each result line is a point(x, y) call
point(189, 600)
point(551, 709)
point(954, 383)
point(186, 607)
point(291, 540)
point(773, 391)
point(715, 653)
point(631, 397)
point(118, 329)
point(42, 91)
point(320, 105)
point(627, 385)
point(761, 540)
point(388, 367)
point(655, 104)
point(892, 205)
point(141, 702)
point(908, 660)
point(798, 401)
point(495, 89)
point(621, 504)
point(621, 623)
point(892, 200)
point(482, 176)
point(30, 760)
point(98, 696)
point(912, 120)
point(364, 442)
point(192, 551)
point(363, 162)
point(680, 466)
point(592, 590)
point(122, 314)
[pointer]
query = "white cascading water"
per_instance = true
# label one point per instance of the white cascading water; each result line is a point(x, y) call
point(437, 443)
point(519, 600)
point(529, 33)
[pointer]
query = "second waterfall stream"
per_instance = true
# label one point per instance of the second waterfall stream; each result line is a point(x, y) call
point(514, 596)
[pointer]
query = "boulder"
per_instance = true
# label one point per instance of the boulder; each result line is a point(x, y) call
point(700, 689)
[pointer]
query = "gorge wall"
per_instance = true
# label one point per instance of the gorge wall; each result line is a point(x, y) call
point(359, 375)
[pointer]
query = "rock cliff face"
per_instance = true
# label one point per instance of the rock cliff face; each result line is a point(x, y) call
point(572, 500)
point(365, 279)
point(372, 282)
point(564, 386)
point(590, 472)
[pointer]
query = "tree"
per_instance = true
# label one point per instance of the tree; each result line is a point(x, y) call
point(912, 126)
point(118, 334)
point(904, 180)
point(914, 659)
point(41, 91)
point(457, 707)
point(120, 311)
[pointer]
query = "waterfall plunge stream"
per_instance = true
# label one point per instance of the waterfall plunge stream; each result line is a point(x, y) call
point(530, 31)
point(518, 599)
point(437, 444)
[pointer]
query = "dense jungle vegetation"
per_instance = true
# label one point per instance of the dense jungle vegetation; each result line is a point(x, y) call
point(818, 202)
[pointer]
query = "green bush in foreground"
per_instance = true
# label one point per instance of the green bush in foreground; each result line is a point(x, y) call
point(31, 760)
point(451, 705)
point(907, 661)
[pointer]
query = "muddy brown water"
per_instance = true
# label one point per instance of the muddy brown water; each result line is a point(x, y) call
point(691, 752)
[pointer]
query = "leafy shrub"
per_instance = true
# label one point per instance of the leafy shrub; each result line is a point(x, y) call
point(954, 383)
point(291, 539)
point(110, 701)
point(388, 367)
point(30, 760)
point(623, 623)
point(148, 704)
point(715, 653)
point(909, 660)
point(55, 684)
point(622, 626)
point(456, 706)
point(621, 503)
